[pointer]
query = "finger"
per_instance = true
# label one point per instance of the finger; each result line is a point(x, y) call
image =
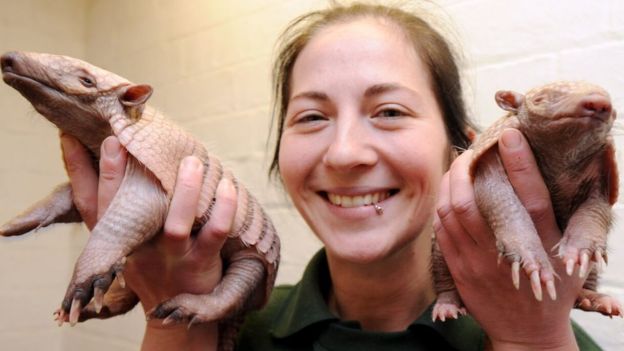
point(464, 206)
point(183, 206)
point(213, 234)
point(113, 160)
point(83, 178)
point(527, 182)
point(445, 243)
point(445, 222)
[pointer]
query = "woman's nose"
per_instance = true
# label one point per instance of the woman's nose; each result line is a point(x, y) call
point(350, 148)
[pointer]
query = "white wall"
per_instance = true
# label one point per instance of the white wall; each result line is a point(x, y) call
point(209, 62)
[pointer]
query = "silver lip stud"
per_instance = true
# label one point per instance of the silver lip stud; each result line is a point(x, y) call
point(378, 209)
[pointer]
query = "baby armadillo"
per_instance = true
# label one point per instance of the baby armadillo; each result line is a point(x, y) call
point(568, 127)
point(90, 104)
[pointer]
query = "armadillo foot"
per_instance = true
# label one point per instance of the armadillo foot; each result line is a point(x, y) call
point(582, 255)
point(90, 292)
point(188, 308)
point(447, 306)
point(537, 267)
point(592, 301)
point(60, 317)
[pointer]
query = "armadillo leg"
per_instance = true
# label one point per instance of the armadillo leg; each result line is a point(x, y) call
point(585, 237)
point(242, 282)
point(448, 303)
point(134, 216)
point(516, 237)
point(592, 301)
point(58, 207)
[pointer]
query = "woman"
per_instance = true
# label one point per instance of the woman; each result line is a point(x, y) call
point(369, 106)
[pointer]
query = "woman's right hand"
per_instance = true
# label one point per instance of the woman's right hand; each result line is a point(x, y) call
point(513, 319)
point(173, 262)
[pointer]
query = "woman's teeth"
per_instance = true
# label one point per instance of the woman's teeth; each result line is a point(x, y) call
point(359, 200)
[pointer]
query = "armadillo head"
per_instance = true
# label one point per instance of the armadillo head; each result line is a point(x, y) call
point(573, 111)
point(76, 96)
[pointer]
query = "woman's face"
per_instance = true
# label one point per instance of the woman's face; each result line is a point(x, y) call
point(363, 127)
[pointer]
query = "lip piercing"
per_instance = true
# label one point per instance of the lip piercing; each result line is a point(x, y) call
point(378, 209)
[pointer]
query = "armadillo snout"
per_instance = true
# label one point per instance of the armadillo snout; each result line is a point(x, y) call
point(595, 106)
point(7, 61)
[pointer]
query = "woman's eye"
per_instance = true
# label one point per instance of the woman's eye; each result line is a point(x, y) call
point(310, 118)
point(389, 113)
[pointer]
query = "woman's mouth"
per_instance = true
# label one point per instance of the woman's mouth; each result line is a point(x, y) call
point(357, 200)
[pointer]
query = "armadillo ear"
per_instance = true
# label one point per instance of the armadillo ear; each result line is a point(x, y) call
point(136, 95)
point(509, 100)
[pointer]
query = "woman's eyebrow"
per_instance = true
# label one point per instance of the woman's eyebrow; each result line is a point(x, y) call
point(314, 95)
point(373, 90)
point(379, 89)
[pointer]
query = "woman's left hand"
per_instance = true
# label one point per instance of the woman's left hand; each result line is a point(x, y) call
point(512, 319)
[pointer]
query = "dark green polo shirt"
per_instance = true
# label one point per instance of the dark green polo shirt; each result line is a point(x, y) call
point(298, 318)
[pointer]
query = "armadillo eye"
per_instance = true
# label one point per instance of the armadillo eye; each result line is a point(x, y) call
point(87, 82)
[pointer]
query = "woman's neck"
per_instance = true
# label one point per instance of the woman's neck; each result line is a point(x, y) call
point(384, 296)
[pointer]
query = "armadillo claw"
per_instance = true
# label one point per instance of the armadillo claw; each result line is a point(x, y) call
point(120, 278)
point(60, 317)
point(536, 285)
point(515, 274)
point(583, 269)
point(552, 292)
point(538, 269)
point(446, 311)
point(601, 262)
point(583, 256)
point(74, 312)
point(98, 299)
point(118, 271)
point(448, 305)
point(169, 315)
point(79, 294)
point(189, 308)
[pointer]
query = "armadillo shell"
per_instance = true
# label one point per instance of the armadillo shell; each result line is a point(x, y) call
point(489, 139)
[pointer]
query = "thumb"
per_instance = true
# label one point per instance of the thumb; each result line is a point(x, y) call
point(113, 160)
point(526, 178)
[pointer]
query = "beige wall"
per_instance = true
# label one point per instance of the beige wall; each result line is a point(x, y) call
point(209, 62)
point(33, 269)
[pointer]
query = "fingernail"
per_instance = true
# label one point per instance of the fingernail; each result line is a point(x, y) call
point(190, 163)
point(226, 186)
point(511, 138)
point(111, 148)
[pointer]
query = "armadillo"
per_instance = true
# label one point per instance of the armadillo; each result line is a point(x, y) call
point(567, 125)
point(90, 104)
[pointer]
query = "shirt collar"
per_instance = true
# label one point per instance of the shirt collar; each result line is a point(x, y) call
point(306, 307)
